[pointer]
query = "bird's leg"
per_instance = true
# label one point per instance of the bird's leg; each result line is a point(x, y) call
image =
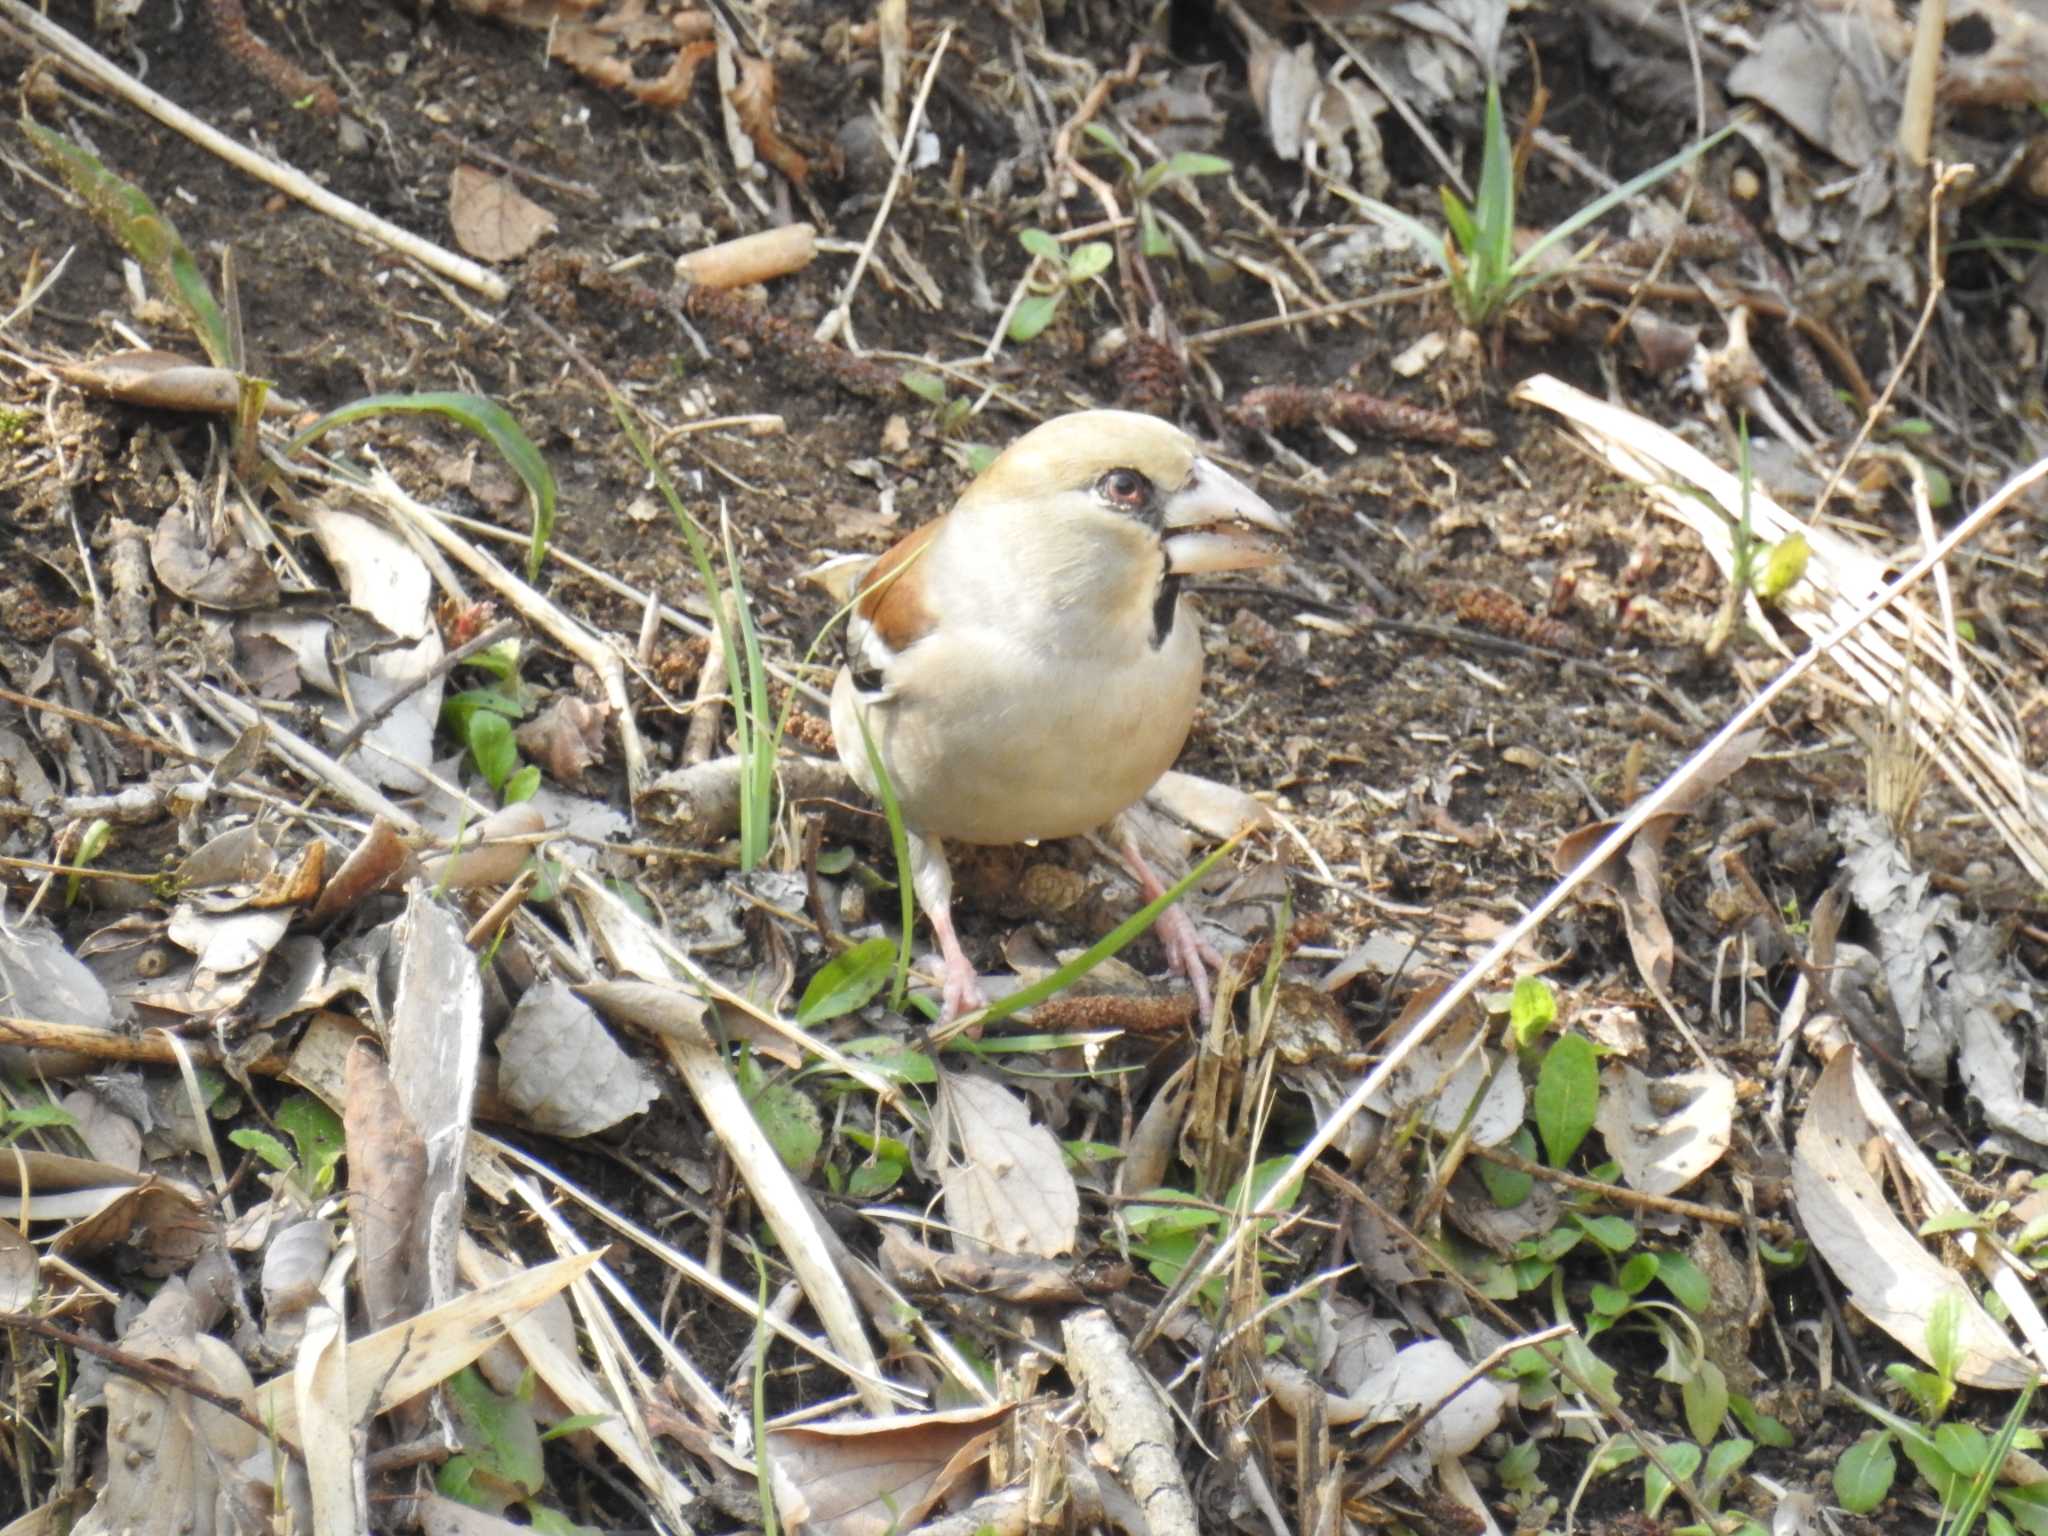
point(932, 878)
point(1186, 951)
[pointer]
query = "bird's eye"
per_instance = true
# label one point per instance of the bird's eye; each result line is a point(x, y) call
point(1125, 489)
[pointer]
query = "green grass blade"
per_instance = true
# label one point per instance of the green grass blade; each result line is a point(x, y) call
point(899, 844)
point(475, 413)
point(761, 740)
point(125, 212)
point(1428, 243)
point(1561, 232)
point(1494, 212)
point(1109, 944)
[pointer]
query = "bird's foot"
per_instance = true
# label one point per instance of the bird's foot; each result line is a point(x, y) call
point(962, 992)
point(1190, 955)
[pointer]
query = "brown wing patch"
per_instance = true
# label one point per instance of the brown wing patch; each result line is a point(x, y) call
point(892, 608)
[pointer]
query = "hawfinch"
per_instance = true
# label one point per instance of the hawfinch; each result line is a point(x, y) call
point(1028, 665)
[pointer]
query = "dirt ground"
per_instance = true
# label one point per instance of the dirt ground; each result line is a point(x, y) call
point(1476, 647)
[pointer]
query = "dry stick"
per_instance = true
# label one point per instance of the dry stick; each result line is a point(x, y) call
point(119, 83)
point(504, 629)
point(838, 318)
point(1387, 1451)
point(1619, 1194)
point(1639, 816)
point(80, 717)
point(152, 1049)
point(167, 1378)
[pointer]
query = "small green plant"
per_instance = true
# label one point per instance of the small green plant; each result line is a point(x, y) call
point(1965, 1467)
point(1476, 249)
point(950, 413)
point(1160, 233)
point(15, 425)
point(482, 718)
point(1056, 273)
point(317, 1145)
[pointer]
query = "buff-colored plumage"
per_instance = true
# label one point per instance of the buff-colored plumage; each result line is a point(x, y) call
point(1024, 665)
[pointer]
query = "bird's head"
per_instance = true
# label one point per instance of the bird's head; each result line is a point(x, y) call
point(1096, 481)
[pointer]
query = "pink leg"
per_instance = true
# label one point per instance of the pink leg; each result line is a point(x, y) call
point(932, 878)
point(1186, 952)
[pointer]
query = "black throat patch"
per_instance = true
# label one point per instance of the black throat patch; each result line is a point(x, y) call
point(1164, 607)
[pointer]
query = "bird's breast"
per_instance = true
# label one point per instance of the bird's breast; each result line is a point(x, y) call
point(999, 736)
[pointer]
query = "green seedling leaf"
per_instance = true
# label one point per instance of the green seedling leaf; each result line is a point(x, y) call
point(1109, 141)
point(42, 1116)
point(1458, 218)
point(1637, 1273)
point(1042, 245)
point(491, 747)
point(265, 1146)
point(523, 785)
point(835, 861)
point(1567, 1096)
point(1509, 1187)
point(847, 982)
point(1608, 1300)
point(552, 1522)
point(502, 1438)
point(928, 387)
point(1531, 1010)
point(1090, 260)
point(1684, 1280)
point(1940, 489)
point(1705, 1396)
point(316, 1132)
point(979, 456)
point(1153, 239)
point(125, 212)
point(1963, 1446)
point(488, 420)
point(1760, 1426)
point(1944, 1335)
point(98, 834)
point(786, 1115)
point(1614, 1233)
point(1783, 567)
point(1723, 1462)
point(1683, 1457)
point(1033, 315)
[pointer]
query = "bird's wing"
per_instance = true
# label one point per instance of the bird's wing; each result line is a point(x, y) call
point(891, 614)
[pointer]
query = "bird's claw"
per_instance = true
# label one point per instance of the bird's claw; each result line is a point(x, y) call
point(1190, 954)
point(962, 992)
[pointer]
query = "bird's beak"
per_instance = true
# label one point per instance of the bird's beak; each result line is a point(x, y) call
point(1221, 513)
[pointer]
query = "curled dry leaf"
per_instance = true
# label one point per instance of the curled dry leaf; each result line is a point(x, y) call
point(1009, 1188)
point(562, 1070)
point(1447, 1073)
point(162, 381)
point(206, 566)
point(491, 852)
point(753, 103)
point(1668, 1132)
point(1891, 1278)
point(869, 1477)
point(492, 219)
point(179, 1464)
point(565, 738)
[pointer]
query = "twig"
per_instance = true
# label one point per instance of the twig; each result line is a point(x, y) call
point(504, 629)
point(1621, 1194)
point(80, 717)
point(166, 1377)
point(293, 182)
point(838, 318)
